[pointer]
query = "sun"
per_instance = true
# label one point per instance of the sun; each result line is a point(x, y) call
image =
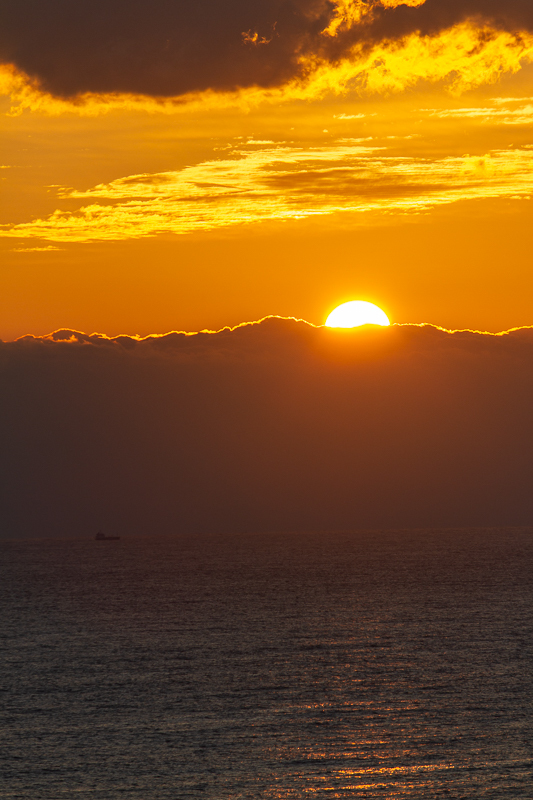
point(355, 313)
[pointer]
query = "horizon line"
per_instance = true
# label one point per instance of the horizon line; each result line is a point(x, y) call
point(230, 328)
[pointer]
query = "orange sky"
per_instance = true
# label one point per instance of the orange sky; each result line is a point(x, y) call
point(396, 169)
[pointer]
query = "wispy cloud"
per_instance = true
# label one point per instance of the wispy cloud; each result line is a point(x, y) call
point(350, 116)
point(251, 185)
point(500, 101)
point(35, 249)
point(504, 116)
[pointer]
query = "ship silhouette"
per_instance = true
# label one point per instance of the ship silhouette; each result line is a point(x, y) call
point(101, 537)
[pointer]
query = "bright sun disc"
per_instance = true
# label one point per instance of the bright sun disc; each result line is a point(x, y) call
point(355, 313)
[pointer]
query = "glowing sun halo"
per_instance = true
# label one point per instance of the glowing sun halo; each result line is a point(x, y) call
point(355, 313)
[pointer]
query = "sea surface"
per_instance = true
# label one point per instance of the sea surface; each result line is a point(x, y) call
point(377, 664)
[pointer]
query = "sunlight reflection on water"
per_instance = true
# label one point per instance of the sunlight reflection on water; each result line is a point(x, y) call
point(373, 664)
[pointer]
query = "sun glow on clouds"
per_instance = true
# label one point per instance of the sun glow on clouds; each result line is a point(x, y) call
point(351, 12)
point(464, 56)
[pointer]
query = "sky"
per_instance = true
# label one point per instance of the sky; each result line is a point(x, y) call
point(176, 166)
point(169, 168)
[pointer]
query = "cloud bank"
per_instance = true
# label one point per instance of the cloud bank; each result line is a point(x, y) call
point(170, 49)
point(271, 426)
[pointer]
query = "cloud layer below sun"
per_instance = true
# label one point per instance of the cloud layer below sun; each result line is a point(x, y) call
point(270, 426)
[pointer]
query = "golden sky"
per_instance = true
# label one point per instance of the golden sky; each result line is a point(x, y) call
point(181, 168)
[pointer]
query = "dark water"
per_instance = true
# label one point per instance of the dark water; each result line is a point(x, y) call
point(385, 664)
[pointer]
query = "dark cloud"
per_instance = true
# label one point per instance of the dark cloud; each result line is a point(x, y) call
point(157, 48)
point(275, 426)
point(171, 47)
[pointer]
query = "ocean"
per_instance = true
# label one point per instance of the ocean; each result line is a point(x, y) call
point(372, 664)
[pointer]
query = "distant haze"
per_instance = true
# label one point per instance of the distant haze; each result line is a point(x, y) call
point(273, 426)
